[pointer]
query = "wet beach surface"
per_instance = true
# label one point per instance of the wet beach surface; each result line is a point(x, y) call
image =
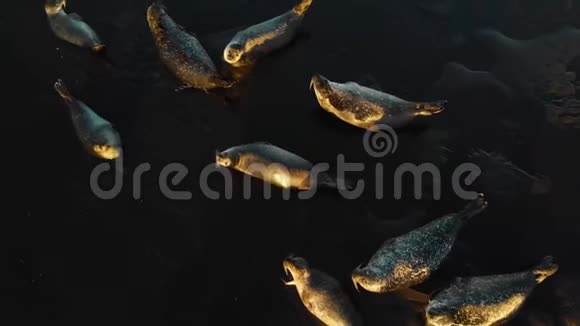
point(70, 256)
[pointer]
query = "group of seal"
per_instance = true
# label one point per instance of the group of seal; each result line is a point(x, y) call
point(402, 262)
point(409, 260)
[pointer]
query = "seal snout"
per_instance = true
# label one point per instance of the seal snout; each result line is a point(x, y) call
point(545, 269)
point(296, 268)
point(317, 80)
point(320, 85)
point(435, 310)
point(359, 277)
point(356, 277)
point(233, 53)
point(223, 159)
point(154, 13)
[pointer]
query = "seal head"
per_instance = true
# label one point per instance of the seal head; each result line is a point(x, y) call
point(321, 293)
point(296, 267)
point(233, 53)
point(227, 158)
point(52, 7)
point(321, 86)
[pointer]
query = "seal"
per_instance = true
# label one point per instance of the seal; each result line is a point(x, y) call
point(275, 165)
point(95, 133)
point(182, 53)
point(367, 108)
point(261, 39)
point(410, 259)
point(321, 294)
point(71, 27)
point(486, 300)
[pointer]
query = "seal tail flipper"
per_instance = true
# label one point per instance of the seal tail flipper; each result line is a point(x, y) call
point(101, 52)
point(228, 83)
point(63, 91)
point(99, 47)
point(545, 269)
point(301, 8)
point(328, 181)
point(431, 108)
point(472, 209)
point(414, 296)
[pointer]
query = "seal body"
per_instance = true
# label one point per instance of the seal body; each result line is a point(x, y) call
point(410, 259)
point(486, 300)
point(95, 133)
point(71, 27)
point(367, 108)
point(182, 53)
point(273, 165)
point(321, 294)
point(261, 39)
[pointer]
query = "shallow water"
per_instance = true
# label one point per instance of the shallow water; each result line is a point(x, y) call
point(70, 256)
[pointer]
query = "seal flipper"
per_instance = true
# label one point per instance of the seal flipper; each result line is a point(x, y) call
point(301, 8)
point(326, 180)
point(414, 296)
point(63, 91)
point(545, 269)
point(431, 108)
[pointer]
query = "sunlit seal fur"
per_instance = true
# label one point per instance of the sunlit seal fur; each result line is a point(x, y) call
point(182, 53)
point(95, 133)
point(368, 108)
point(321, 294)
point(71, 27)
point(274, 165)
point(410, 259)
point(259, 40)
point(486, 300)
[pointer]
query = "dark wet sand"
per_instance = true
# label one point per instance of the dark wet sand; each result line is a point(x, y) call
point(68, 255)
